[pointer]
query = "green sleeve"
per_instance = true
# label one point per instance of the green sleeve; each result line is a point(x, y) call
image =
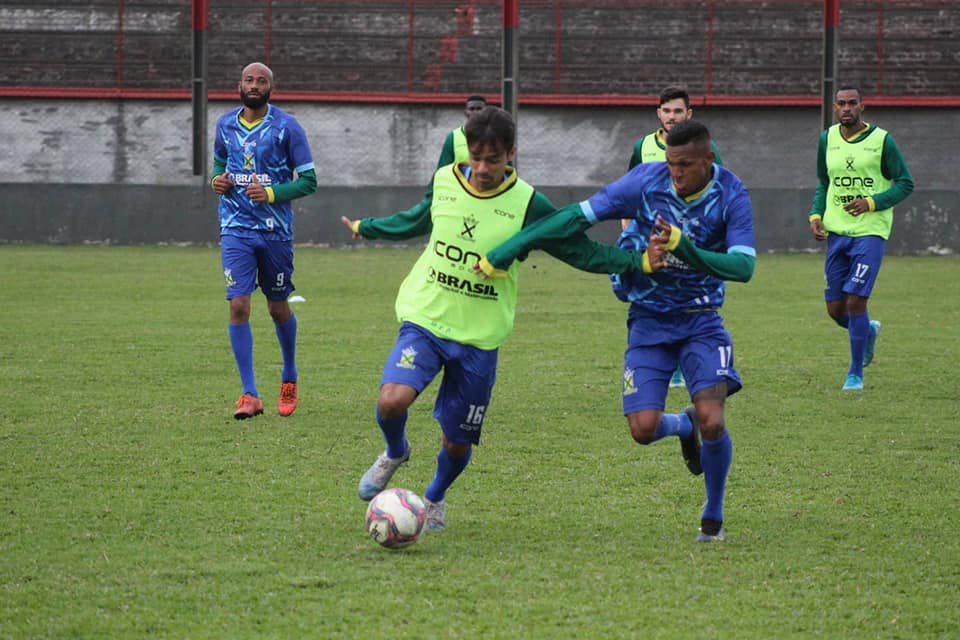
point(716, 153)
point(635, 156)
point(726, 266)
point(446, 153)
point(579, 251)
point(219, 166)
point(304, 185)
point(894, 168)
point(823, 180)
point(565, 223)
point(401, 225)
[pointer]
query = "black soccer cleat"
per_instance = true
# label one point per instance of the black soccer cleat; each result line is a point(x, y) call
point(710, 530)
point(690, 447)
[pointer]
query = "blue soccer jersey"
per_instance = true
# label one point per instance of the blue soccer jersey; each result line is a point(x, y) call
point(273, 149)
point(719, 218)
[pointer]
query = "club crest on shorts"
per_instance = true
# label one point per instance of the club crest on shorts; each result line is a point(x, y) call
point(406, 358)
point(628, 384)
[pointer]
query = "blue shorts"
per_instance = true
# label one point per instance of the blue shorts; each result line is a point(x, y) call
point(852, 265)
point(247, 261)
point(469, 374)
point(704, 354)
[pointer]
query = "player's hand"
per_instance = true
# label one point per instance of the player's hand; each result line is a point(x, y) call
point(255, 190)
point(222, 183)
point(657, 244)
point(348, 223)
point(662, 228)
point(857, 206)
point(816, 228)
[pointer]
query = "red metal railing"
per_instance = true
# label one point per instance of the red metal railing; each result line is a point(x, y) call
point(432, 56)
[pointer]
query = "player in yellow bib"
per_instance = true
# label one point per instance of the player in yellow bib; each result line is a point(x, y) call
point(455, 144)
point(862, 175)
point(453, 319)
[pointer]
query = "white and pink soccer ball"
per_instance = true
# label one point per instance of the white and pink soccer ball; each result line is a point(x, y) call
point(395, 518)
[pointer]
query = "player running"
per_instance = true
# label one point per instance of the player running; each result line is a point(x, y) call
point(861, 176)
point(261, 161)
point(694, 230)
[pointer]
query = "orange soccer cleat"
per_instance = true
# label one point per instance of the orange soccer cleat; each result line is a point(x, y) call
point(247, 407)
point(287, 402)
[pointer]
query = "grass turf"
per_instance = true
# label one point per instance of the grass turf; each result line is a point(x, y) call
point(134, 505)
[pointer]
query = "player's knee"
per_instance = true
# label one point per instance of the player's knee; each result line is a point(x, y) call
point(642, 431)
point(713, 428)
point(280, 311)
point(455, 450)
point(393, 401)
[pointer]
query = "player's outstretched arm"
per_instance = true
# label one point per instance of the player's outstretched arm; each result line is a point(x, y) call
point(580, 252)
point(559, 226)
point(402, 225)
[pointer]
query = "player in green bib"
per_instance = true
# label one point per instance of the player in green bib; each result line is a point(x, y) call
point(673, 109)
point(451, 318)
point(455, 144)
point(862, 175)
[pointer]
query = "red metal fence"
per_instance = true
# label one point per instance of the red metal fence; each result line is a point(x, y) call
point(734, 52)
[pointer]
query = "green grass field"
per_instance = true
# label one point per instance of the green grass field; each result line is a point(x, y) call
point(133, 505)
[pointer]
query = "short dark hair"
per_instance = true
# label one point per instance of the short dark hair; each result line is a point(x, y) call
point(476, 99)
point(672, 93)
point(849, 87)
point(687, 132)
point(493, 126)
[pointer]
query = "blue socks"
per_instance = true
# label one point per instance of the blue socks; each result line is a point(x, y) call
point(287, 335)
point(241, 339)
point(859, 330)
point(673, 424)
point(715, 456)
point(394, 434)
point(447, 471)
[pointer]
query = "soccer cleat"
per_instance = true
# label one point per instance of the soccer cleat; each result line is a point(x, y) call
point(378, 475)
point(690, 447)
point(853, 383)
point(677, 379)
point(288, 399)
point(871, 342)
point(710, 531)
point(247, 407)
point(436, 515)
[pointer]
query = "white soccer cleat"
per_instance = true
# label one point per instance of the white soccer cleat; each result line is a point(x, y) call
point(378, 475)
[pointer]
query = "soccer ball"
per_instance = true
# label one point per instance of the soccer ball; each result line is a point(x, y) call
point(395, 518)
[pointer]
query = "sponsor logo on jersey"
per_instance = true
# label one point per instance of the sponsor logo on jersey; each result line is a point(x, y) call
point(463, 285)
point(243, 179)
point(455, 254)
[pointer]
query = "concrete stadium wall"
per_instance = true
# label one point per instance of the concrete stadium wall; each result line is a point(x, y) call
point(118, 172)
